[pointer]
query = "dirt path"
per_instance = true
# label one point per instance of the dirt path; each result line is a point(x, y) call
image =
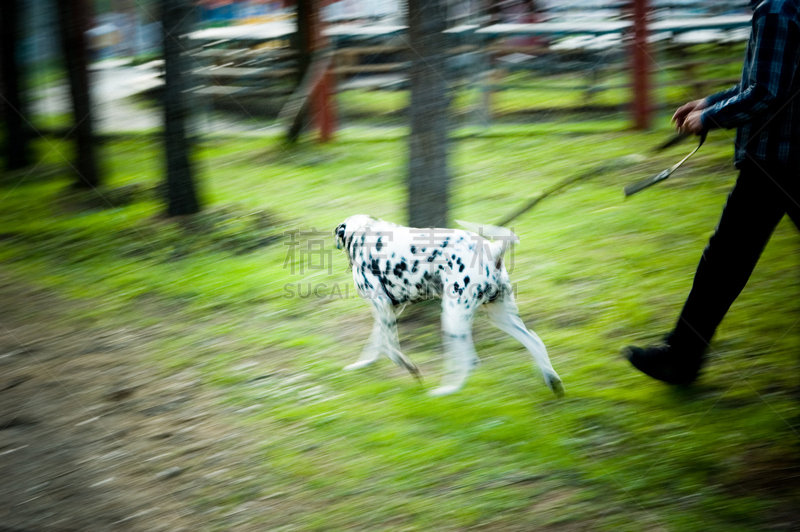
point(90, 437)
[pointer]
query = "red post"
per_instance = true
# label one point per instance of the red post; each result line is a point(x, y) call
point(326, 112)
point(640, 65)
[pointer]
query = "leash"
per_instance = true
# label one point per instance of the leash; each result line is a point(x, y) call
point(615, 164)
point(633, 188)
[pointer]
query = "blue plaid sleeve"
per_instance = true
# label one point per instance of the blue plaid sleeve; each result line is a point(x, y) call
point(772, 69)
point(722, 95)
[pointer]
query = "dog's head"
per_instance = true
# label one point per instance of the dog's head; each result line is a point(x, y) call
point(345, 230)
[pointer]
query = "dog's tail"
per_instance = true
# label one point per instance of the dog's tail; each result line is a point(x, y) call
point(502, 238)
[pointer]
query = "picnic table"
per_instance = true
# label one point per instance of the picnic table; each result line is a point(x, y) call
point(247, 32)
point(682, 25)
point(285, 29)
point(554, 29)
point(602, 36)
point(352, 40)
point(560, 29)
point(371, 31)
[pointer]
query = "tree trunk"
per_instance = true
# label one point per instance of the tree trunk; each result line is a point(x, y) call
point(73, 19)
point(640, 65)
point(304, 38)
point(304, 27)
point(181, 191)
point(428, 178)
point(17, 132)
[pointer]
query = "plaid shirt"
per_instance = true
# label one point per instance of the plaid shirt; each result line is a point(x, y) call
point(765, 105)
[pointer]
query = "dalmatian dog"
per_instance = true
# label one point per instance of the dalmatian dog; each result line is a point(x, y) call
point(393, 265)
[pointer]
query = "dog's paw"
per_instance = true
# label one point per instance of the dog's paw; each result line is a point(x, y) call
point(554, 383)
point(444, 390)
point(358, 365)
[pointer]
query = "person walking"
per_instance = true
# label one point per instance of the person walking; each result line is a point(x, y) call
point(765, 109)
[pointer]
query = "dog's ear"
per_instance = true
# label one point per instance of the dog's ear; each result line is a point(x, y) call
point(338, 234)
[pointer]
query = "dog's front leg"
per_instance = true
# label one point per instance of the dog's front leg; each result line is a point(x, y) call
point(375, 346)
point(459, 351)
point(387, 321)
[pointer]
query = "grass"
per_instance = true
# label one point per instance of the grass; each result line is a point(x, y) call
point(370, 450)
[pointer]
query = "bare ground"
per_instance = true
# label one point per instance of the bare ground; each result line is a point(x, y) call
point(90, 439)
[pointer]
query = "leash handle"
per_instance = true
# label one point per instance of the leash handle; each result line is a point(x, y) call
point(633, 188)
point(703, 136)
point(678, 165)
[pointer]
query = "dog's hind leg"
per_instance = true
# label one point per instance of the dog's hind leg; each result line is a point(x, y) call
point(459, 351)
point(375, 346)
point(504, 314)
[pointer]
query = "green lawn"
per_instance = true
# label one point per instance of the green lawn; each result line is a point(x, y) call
point(371, 450)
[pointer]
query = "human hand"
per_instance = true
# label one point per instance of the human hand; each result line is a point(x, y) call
point(680, 115)
point(693, 123)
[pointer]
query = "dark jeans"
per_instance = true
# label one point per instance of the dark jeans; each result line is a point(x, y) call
point(762, 195)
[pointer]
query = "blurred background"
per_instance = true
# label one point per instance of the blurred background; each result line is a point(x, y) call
point(175, 315)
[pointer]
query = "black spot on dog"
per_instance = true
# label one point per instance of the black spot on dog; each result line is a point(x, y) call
point(379, 244)
point(399, 268)
point(413, 250)
point(466, 281)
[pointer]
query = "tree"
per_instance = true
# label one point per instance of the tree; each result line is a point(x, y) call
point(311, 98)
point(298, 112)
point(17, 133)
point(640, 63)
point(181, 190)
point(304, 37)
point(428, 179)
point(73, 21)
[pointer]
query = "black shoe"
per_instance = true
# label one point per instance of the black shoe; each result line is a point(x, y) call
point(662, 363)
